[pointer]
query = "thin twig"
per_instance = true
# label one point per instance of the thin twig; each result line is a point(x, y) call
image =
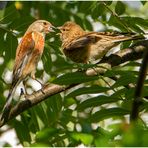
point(114, 14)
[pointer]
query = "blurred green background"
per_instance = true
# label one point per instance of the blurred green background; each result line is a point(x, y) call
point(96, 113)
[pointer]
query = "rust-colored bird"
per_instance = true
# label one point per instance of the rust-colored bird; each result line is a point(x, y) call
point(28, 53)
point(81, 46)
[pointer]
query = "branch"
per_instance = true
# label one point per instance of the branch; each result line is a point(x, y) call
point(53, 89)
point(35, 98)
point(135, 52)
point(138, 92)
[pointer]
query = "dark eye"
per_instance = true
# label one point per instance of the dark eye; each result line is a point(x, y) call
point(44, 23)
point(65, 29)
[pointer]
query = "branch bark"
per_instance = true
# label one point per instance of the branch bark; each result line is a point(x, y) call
point(49, 90)
point(139, 87)
point(129, 54)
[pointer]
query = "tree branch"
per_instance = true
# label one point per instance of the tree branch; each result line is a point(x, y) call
point(139, 87)
point(129, 54)
point(35, 98)
point(53, 89)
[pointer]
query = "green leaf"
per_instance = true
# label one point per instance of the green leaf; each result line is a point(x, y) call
point(122, 72)
point(66, 117)
point(120, 92)
point(8, 44)
point(125, 80)
point(116, 22)
point(99, 10)
point(129, 93)
point(85, 138)
point(35, 120)
point(108, 2)
point(68, 102)
point(10, 14)
point(21, 24)
point(97, 101)
point(85, 7)
point(88, 90)
point(120, 8)
point(107, 113)
point(134, 23)
point(41, 115)
point(22, 132)
point(47, 60)
point(11, 45)
point(54, 107)
point(87, 25)
point(140, 21)
point(45, 134)
point(143, 2)
point(74, 78)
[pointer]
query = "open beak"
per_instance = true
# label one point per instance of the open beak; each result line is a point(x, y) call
point(52, 29)
point(60, 27)
point(58, 33)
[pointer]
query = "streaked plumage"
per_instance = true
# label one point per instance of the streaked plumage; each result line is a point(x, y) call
point(81, 46)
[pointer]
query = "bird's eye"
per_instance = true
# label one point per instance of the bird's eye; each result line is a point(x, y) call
point(44, 23)
point(65, 29)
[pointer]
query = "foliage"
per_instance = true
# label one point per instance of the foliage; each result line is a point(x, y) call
point(96, 113)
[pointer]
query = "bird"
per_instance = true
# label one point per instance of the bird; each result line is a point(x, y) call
point(82, 47)
point(28, 53)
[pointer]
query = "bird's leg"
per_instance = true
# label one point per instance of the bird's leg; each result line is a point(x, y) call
point(22, 92)
point(24, 83)
point(34, 78)
point(39, 82)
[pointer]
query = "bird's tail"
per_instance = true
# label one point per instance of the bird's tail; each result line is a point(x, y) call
point(7, 106)
point(131, 37)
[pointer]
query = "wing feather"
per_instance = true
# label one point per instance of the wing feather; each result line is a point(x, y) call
point(23, 51)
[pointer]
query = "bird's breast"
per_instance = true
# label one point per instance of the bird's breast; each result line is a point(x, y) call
point(39, 41)
point(78, 55)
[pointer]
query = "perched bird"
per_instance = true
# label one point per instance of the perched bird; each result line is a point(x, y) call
point(28, 53)
point(81, 46)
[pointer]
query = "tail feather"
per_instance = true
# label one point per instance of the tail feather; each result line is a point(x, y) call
point(128, 38)
point(7, 107)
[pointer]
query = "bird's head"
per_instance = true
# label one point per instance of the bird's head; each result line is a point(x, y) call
point(41, 26)
point(69, 31)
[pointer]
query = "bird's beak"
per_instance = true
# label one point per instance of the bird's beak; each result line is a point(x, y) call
point(52, 29)
point(60, 28)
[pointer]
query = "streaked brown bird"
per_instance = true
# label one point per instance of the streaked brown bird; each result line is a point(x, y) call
point(81, 46)
point(28, 53)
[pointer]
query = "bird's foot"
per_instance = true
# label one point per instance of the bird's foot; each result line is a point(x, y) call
point(23, 94)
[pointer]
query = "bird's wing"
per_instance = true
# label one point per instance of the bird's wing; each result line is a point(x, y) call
point(93, 37)
point(115, 37)
point(82, 41)
point(23, 51)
